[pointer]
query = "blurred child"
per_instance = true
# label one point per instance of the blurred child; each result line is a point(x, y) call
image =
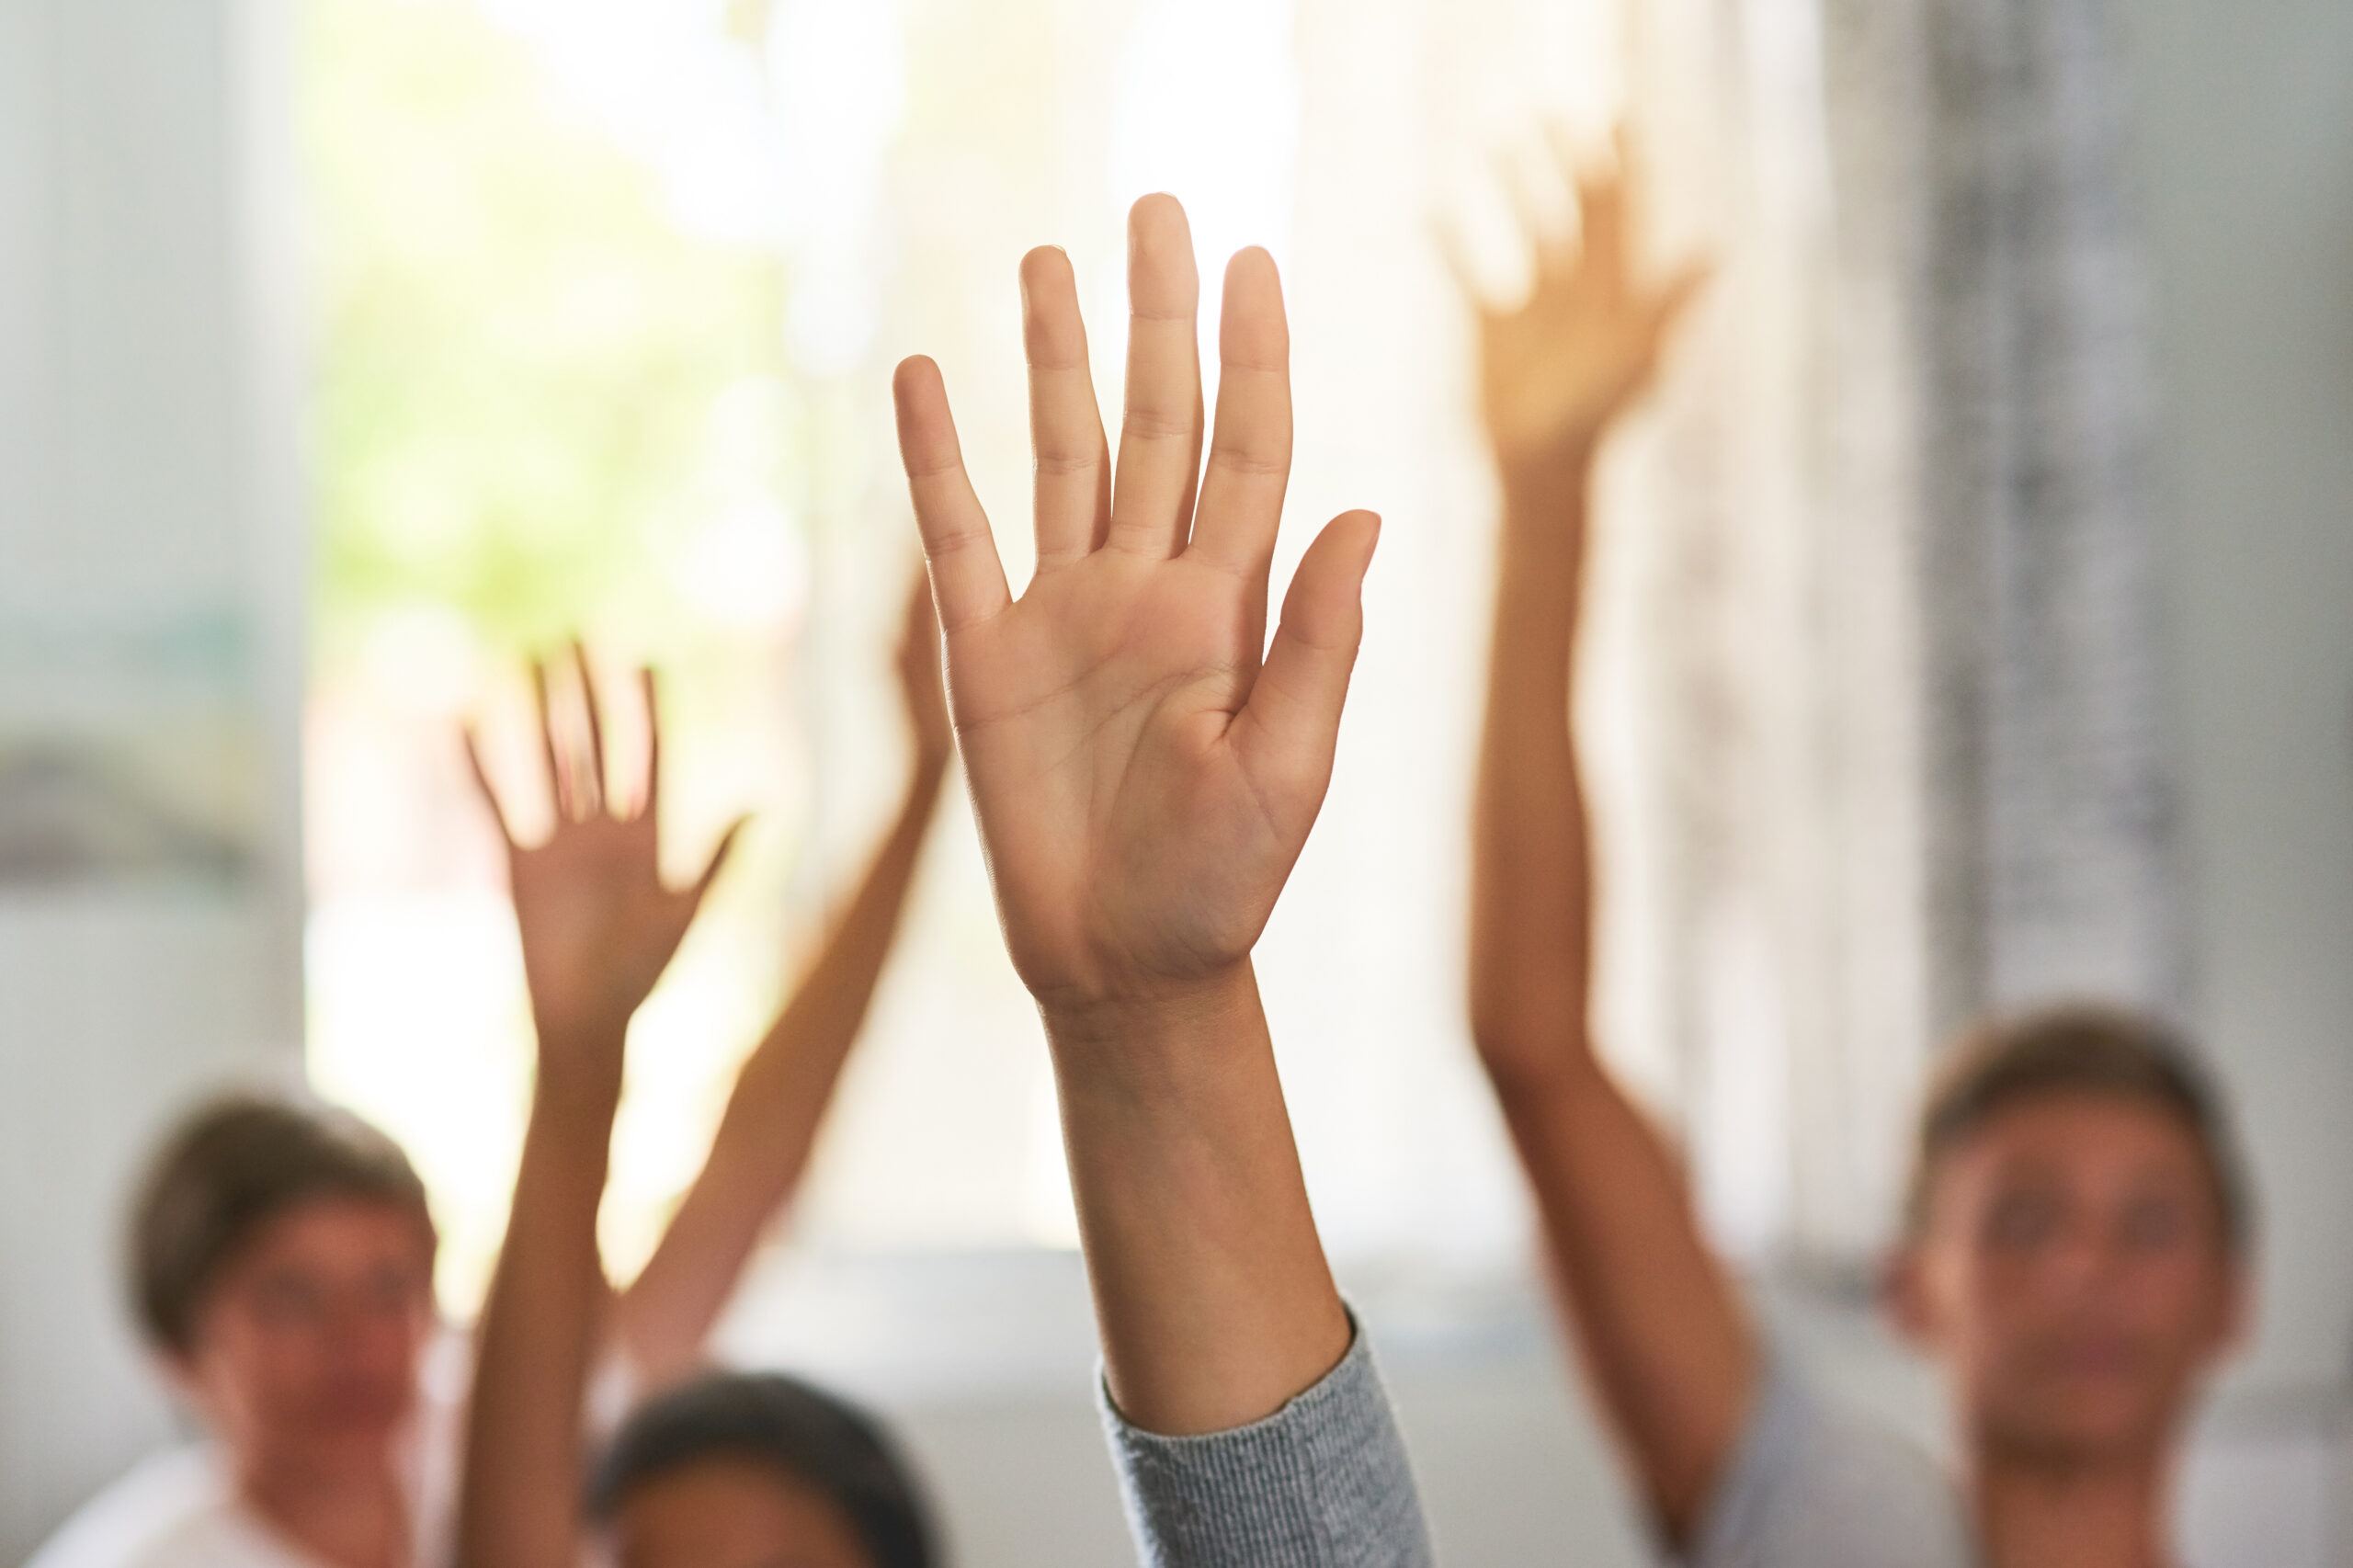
point(283, 1253)
point(728, 1472)
point(2074, 1253)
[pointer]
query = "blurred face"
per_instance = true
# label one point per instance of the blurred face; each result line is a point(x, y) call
point(306, 1347)
point(724, 1512)
point(2072, 1277)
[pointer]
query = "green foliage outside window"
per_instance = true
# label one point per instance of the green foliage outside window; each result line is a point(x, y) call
point(517, 352)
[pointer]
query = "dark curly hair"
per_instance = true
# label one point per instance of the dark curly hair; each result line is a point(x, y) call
point(811, 1436)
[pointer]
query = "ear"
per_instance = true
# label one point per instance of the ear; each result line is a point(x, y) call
point(178, 1371)
point(1903, 1295)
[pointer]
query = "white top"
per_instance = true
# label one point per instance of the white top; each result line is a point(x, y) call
point(1816, 1486)
point(180, 1509)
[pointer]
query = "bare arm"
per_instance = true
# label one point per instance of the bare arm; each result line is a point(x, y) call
point(1143, 781)
point(782, 1091)
point(1662, 1337)
point(599, 927)
point(524, 1447)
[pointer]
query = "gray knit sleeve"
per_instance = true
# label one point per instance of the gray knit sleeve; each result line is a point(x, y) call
point(1322, 1482)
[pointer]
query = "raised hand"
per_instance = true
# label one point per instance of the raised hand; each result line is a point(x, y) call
point(1557, 369)
point(1143, 781)
point(598, 924)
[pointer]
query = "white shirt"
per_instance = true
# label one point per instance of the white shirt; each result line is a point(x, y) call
point(180, 1508)
point(1816, 1486)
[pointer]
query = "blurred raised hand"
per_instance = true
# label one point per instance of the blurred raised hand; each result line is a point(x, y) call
point(1555, 370)
point(1143, 781)
point(598, 923)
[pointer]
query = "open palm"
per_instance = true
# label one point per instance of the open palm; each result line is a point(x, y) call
point(598, 924)
point(1142, 779)
point(1584, 342)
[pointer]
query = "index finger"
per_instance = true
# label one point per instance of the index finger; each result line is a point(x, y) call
point(967, 579)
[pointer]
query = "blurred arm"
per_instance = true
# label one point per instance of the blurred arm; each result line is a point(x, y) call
point(1662, 1334)
point(525, 1444)
point(780, 1097)
point(1662, 1337)
point(599, 926)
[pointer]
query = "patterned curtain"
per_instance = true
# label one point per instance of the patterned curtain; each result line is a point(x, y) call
point(1892, 648)
point(2055, 848)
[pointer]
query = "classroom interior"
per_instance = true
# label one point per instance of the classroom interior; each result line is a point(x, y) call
point(353, 351)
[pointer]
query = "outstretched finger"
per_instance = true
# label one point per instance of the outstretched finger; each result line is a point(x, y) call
point(1290, 726)
point(559, 780)
point(1539, 224)
point(1604, 223)
point(1249, 467)
point(1160, 427)
point(967, 579)
point(482, 782)
point(1073, 460)
point(649, 796)
point(1567, 156)
point(1677, 295)
point(597, 793)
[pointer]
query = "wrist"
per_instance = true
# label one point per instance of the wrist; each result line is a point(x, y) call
point(1528, 1079)
point(929, 771)
point(1544, 483)
point(1150, 1029)
point(579, 1078)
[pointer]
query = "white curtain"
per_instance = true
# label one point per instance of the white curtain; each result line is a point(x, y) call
point(1796, 868)
point(1770, 647)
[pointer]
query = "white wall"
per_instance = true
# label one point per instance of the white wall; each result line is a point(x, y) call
point(985, 1365)
point(149, 576)
point(2246, 153)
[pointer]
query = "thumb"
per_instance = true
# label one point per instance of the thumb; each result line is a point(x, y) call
point(1670, 302)
point(718, 863)
point(1291, 725)
point(482, 782)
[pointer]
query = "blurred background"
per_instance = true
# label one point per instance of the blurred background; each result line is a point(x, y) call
point(1968, 630)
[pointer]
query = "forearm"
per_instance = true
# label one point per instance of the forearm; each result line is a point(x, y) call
point(1530, 896)
point(770, 1125)
point(1662, 1337)
point(1660, 1331)
point(519, 1505)
point(1213, 1297)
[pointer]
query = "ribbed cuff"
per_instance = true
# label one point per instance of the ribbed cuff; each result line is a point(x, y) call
point(1322, 1482)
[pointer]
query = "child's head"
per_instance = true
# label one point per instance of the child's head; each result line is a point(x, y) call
point(281, 1264)
point(2076, 1234)
point(738, 1470)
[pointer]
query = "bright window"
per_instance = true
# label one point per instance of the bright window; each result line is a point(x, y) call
point(608, 294)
